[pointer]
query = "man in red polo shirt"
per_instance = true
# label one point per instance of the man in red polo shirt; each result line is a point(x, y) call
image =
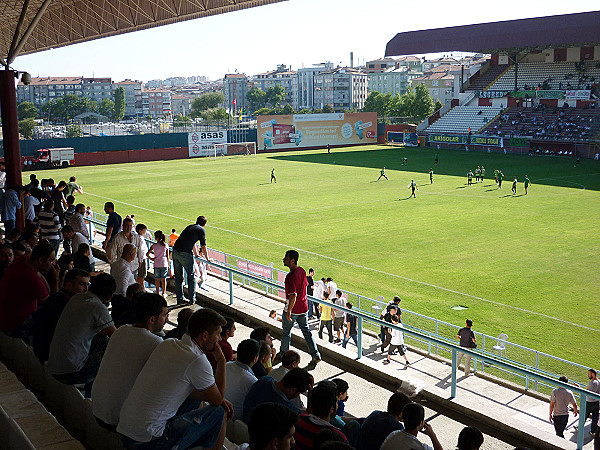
point(296, 306)
point(23, 287)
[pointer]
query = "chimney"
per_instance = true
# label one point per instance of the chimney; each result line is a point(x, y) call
point(351, 59)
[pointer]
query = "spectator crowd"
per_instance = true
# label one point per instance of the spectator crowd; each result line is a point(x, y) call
point(184, 388)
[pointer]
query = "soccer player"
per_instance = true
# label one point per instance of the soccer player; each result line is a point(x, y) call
point(382, 172)
point(404, 161)
point(431, 176)
point(412, 186)
point(477, 172)
point(514, 186)
point(435, 161)
point(470, 178)
point(482, 173)
point(526, 183)
point(496, 175)
point(500, 176)
point(273, 177)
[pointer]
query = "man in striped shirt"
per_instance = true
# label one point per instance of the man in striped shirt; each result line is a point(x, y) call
point(323, 403)
point(50, 225)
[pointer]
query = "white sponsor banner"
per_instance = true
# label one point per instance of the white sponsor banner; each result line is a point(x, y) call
point(578, 94)
point(318, 117)
point(202, 143)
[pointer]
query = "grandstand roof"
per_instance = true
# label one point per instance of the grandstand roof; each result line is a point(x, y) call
point(30, 26)
point(578, 29)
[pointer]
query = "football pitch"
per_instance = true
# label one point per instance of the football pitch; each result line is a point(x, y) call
point(524, 265)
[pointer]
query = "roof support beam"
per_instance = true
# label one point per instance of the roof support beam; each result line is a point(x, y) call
point(12, 55)
point(18, 28)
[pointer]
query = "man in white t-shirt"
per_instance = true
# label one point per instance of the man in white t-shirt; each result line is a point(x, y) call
point(122, 271)
point(331, 288)
point(162, 408)
point(128, 350)
point(318, 288)
point(413, 416)
point(240, 376)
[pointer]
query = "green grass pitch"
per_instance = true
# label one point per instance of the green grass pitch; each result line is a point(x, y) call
point(525, 265)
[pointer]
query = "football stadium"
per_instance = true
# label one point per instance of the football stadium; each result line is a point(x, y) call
point(484, 212)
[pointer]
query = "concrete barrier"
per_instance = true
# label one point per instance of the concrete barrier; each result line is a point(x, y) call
point(24, 422)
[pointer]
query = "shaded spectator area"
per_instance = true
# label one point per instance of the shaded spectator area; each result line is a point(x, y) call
point(547, 123)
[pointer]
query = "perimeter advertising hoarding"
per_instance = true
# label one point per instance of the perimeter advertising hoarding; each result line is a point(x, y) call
point(316, 130)
point(200, 143)
point(464, 139)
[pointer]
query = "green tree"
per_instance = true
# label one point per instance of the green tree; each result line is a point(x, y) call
point(256, 99)
point(207, 101)
point(181, 120)
point(438, 105)
point(215, 114)
point(70, 106)
point(305, 111)
point(287, 109)
point(107, 108)
point(92, 105)
point(327, 108)
point(119, 106)
point(263, 112)
point(74, 131)
point(26, 127)
point(401, 106)
point(274, 95)
point(220, 114)
point(379, 103)
point(26, 110)
point(422, 103)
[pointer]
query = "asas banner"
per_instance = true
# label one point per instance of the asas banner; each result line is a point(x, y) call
point(316, 130)
point(202, 143)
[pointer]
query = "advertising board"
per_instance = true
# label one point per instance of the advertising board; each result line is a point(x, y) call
point(316, 130)
point(202, 143)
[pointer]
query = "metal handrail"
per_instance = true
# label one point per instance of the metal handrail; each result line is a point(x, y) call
point(381, 306)
point(432, 339)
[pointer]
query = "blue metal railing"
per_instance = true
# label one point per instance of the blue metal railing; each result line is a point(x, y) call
point(441, 337)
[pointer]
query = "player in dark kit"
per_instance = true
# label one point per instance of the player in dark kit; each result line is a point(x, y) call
point(412, 186)
point(514, 186)
point(526, 183)
point(273, 177)
point(431, 176)
point(382, 174)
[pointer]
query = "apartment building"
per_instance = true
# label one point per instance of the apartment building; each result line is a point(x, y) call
point(133, 97)
point(306, 84)
point(43, 89)
point(342, 88)
point(395, 80)
point(284, 77)
point(235, 88)
point(156, 103)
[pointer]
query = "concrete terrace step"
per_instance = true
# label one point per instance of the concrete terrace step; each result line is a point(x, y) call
point(501, 410)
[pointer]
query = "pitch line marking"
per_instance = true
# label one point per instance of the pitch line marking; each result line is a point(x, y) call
point(358, 266)
point(144, 173)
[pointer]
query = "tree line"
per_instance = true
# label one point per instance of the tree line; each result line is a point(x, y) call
point(417, 104)
point(66, 108)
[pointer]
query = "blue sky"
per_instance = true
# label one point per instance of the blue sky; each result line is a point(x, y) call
point(296, 32)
